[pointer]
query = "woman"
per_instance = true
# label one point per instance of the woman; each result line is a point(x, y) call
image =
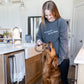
point(54, 28)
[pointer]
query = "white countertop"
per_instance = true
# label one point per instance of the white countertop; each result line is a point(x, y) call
point(28, 47)
point(7, 48)
point(80, 56)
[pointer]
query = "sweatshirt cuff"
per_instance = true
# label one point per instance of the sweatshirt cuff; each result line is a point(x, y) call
point(60, 61)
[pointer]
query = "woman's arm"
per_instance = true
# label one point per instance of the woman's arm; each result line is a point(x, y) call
point(63, 43)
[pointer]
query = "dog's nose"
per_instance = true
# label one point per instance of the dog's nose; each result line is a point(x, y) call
point(48, 48)
point(49, 42)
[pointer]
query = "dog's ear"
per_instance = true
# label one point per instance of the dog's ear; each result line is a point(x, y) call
point(51, 45)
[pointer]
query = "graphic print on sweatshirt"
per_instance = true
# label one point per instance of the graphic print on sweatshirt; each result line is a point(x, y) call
point(51, 35)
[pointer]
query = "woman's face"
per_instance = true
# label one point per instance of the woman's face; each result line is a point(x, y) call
point(49, 16)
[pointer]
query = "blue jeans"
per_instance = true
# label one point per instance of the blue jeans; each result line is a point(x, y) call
point(64, 67)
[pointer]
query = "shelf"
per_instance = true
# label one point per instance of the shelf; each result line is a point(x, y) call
point(5, 38)
point(6, 28)
point(9, 39)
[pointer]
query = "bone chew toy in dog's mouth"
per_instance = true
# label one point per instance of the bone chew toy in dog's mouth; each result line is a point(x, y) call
point(43, 47)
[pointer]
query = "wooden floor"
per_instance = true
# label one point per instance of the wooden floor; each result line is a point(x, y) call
point(71, 76)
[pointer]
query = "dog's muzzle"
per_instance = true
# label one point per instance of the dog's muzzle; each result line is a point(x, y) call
point(45, 45)
point(48, 47)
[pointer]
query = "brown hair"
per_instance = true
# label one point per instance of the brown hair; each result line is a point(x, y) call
point(50, 5)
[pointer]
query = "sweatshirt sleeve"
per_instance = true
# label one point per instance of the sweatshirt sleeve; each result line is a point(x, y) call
point(39, 33)
point(63, 43)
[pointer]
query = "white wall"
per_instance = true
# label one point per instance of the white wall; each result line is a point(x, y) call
point(12, 15)
point(78, 4)
point(78, 1)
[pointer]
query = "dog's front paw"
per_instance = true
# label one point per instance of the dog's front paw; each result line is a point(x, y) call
point(49, 60)
point(55, 61)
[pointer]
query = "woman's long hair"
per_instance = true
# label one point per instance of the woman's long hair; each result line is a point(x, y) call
point(50, 5)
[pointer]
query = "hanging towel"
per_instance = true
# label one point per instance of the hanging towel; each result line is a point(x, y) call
point(20, 63)
point(17, 67)
point(13, 71)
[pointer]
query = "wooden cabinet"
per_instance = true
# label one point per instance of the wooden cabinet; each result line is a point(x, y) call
point(79, 74)
point(33, 69)
point(2, 75)
point(79, 70)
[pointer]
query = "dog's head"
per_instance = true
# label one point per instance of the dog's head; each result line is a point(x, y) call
point(51, 54)
point(50, 50)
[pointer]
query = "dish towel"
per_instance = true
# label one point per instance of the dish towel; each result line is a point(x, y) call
point(17, 67)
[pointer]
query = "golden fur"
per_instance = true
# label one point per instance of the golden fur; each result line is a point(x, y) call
point(51, 73)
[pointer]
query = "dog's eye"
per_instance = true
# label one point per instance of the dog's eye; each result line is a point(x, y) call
point(44, 45)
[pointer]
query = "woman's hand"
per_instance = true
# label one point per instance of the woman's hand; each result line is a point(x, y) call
point(39, 42)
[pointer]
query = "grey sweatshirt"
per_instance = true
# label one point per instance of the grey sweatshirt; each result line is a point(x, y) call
point(57, 33)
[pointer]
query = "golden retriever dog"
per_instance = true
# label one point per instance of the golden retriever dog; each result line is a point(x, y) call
point(51, 73)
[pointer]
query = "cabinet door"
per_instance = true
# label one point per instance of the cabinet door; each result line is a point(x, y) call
point(76, 73)
point(2, 78)
point(33, 69)
point(80, 76)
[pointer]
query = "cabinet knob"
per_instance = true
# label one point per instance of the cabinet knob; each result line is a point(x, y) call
point(81, 41)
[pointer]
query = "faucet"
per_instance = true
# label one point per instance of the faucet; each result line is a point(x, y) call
point(16, 35)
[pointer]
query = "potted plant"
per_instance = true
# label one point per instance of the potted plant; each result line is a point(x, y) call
point(6, 34)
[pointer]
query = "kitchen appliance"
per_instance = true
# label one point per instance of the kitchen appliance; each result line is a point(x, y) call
point(7, 68)
point(33, 26)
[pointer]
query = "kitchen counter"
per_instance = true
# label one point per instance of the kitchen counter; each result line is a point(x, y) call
point(80, 56)
point(34, 63)
point(28, 47)
point(8, 48)
point(79, 67)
